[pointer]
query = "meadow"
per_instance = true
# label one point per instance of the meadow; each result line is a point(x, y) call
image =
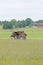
point(22, 52)
point(32, 33)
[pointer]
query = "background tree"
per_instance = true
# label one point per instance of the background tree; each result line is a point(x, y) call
point(14, 22)
point(39, 21)
point(0, 23)
point(28, 22)
point(7, 25)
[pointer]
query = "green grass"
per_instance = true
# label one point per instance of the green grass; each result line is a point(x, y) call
point(32, 33)
point(21, 52)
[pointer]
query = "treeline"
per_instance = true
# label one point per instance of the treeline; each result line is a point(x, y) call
point(19, 24)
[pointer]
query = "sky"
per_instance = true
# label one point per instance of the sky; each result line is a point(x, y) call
point(21, 9)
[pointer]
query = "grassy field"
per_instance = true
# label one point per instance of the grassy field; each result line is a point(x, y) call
point(22, 52)
point(32, 33)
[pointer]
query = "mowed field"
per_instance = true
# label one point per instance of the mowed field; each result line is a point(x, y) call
point(22, 52)
point(32, 33)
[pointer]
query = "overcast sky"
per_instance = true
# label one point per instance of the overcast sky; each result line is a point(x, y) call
point(21, 9)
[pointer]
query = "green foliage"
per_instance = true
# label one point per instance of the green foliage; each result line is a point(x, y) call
point(0, 23)
point(19, 24)
point(23, 23)
point(13, 21)
point(28, 21)
point(7, 25)
point(39, 21)
point(16, 25)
